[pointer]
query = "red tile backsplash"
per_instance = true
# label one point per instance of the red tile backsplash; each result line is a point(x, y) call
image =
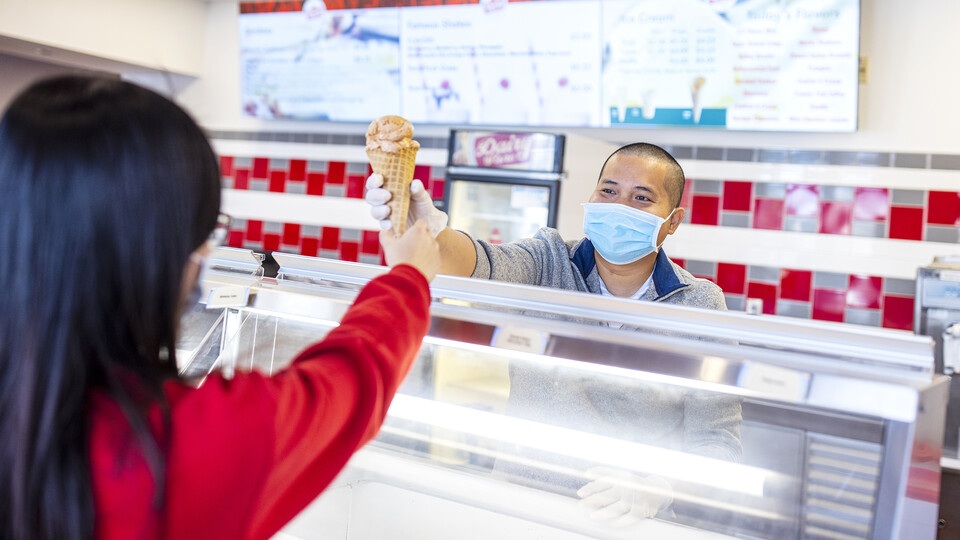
point(336, 171)
point(897, 312)
point(835, 217)
point(291, 234)
point(298, 169)
point(330, 238)
point(371, 242)
point(732, 278)
point(260, 166)
point(422, 173)
point(737, 196)
point(795, 285)
point(768, 214)
point(802, 200)
point(315, 183)
point(241, 179)
point(235, 238)
point(864, 291)
point(309, 247)
point(943, 208)
point(906, 223)
point(436, 189)
point(355, 185)
point(254, 230)
point(226, 165)
point(278, 181)
point(686, 199)
point(871, 204)
point(706, 210)
point(829, 305)
point(765, 291)
point(350, 251)
point(271, 242)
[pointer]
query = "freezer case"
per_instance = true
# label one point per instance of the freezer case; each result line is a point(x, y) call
point(503, 186)
point(840, 428)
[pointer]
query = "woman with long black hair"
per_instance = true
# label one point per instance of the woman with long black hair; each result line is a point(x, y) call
point(109, 194)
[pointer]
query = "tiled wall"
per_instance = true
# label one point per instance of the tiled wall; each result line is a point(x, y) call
point(881, 213)
point(828, 296)
point(307, 177)
point(856, 211)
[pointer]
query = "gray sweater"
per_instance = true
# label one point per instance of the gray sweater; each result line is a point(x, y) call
point(703, 423)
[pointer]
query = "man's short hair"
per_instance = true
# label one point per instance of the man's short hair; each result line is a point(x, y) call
point(675, 176)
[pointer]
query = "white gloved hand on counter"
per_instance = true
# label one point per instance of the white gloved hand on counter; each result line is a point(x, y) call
point(623, 498)
point(421, 205)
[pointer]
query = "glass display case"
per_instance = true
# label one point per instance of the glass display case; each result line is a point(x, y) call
point(712, 424)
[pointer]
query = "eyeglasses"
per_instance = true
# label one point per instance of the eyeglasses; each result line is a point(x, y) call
point(221, 230)
point(217, 238)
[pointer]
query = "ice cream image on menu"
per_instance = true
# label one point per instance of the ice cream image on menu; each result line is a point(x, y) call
point(648, 107)
point(695, 88)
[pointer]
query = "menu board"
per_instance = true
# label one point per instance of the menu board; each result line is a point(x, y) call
point(783, 65)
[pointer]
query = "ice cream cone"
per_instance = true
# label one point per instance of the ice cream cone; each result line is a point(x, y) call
point(397, 171)
point(393, 153)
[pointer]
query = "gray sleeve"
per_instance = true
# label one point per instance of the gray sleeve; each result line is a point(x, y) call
point(530, 261)
point(516, 262)
point(712, 425)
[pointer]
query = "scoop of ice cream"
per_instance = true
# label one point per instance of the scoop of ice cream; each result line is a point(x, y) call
point(697, 84)
point(390, 133)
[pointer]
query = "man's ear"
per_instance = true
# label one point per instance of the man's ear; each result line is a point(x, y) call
point(675, 219)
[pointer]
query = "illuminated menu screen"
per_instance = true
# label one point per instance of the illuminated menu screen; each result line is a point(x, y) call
point(774, 65)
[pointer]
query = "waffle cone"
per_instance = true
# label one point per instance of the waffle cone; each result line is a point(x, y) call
point(397, 171)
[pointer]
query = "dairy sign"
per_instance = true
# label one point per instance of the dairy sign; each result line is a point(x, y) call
point(507, 150)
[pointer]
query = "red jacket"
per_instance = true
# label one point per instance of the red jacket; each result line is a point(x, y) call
point(247, 454)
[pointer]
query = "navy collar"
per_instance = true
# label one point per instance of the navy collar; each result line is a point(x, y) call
point(665, 279)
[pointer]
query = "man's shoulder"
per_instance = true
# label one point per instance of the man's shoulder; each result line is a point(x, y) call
point(697, 292)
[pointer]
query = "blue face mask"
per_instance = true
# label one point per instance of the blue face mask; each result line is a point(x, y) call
point(621, 234)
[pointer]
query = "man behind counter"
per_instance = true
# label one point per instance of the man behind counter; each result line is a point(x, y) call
point(634, 207)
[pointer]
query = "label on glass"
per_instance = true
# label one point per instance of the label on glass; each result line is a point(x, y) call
point(228, 296)
point(519, 339)
point(782, 382)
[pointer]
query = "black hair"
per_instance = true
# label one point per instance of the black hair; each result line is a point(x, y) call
point(675, 176)
point(106, 188)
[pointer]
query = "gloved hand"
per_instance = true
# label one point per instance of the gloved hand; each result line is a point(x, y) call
point(421, 205)
point(623, 498)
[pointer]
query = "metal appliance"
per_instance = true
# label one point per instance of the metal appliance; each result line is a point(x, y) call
point(937, 314)
point(841, 432)
point(503, 186)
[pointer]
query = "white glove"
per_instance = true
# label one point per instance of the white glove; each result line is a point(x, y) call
point(623, 498)
point(421, 205)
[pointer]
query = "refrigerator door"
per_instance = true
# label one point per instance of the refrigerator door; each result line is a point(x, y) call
point(500, 211)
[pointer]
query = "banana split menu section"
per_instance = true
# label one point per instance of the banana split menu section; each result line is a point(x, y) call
point(784, 65)
point(303, 60)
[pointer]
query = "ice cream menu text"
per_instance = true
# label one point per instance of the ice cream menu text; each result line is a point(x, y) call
point(786, 65)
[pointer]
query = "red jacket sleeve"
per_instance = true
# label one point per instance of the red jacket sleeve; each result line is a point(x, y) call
point(327, 409)
point(246, 455)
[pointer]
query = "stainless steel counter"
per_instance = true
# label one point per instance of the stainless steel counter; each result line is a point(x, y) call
point(841, 426)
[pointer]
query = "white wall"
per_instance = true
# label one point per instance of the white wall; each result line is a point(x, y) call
point(16, 73)
point(165, 35)
point(906, 104)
